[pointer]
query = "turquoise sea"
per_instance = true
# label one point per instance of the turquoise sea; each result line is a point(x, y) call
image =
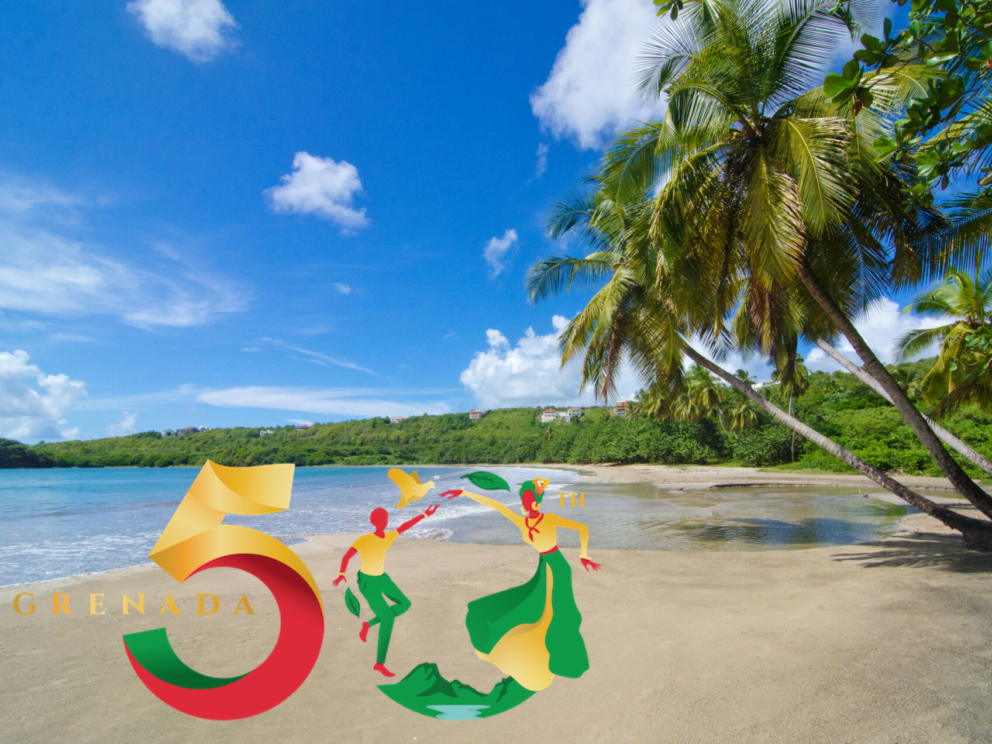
point(59, 523)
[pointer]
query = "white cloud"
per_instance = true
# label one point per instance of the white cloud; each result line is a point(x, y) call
point(880, 326)
point(300, 422)
point(542, 160)
point(45, 272)
point(198, 29)
point(250, 348)
point(34, 411)
point(127, 425)
point(530, 373)
point(335, 402)
point(343, 288)
point(591, 92)
point(497, 252)
point(323, 187)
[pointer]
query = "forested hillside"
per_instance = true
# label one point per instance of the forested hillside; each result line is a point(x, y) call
point(835, 404)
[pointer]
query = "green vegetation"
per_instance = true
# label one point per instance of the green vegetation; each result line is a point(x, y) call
point(763, 209)
point(836, 404)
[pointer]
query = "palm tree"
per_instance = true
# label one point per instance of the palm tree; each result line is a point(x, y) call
point(962, 372)
point(652, 401)
point(792, 378)
point(743, 417)
point(744, 376)
point(647, 317)
point(774, 192)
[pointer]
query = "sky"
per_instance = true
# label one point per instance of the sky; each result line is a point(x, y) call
point(256, 213)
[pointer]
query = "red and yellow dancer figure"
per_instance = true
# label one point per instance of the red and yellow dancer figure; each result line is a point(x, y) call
point(375, 584)
point(531, 632)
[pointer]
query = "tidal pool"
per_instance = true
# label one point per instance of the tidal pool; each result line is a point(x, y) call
point(646, 517)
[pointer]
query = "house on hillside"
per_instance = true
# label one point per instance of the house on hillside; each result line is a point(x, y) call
point(575, 412)
point(188, 430)
point(621, 408)
point(264, 432)
point(548, 415)
point(396, 419)
point(475, 415)
point(303, 426)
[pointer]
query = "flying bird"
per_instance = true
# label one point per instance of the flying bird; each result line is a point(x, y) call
point(411, 489)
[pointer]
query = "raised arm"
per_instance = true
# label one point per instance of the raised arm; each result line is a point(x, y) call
point(407, 525)
point(344, 565)
point(486, 501)
point(583, 540)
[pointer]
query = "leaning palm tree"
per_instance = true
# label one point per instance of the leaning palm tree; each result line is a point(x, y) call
point(647, 317)
point(912, 388)
point(962, 373)
point(770, 189)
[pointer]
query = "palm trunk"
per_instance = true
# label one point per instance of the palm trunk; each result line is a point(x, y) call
point(792, 399)
point(977, 533)
point(958, 478)
point(945, 436)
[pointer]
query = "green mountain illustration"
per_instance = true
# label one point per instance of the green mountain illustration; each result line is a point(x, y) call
point(425, 690)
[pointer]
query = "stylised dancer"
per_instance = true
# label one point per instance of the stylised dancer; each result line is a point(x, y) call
point(531, 632)
point(374, 582)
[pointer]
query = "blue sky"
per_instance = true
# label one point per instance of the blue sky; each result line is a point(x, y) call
point(250, 213)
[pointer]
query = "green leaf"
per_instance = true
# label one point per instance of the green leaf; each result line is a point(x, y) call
point(851, 70)
point(351, 602)
point(835, 84)
point(488, 481)
point(871, 43)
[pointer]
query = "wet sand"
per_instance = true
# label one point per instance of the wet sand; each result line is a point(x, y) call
point(887, 643)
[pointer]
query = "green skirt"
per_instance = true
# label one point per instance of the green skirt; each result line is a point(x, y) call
point(493, 616)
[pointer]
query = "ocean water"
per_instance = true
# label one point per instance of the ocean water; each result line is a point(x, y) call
point(67, 522)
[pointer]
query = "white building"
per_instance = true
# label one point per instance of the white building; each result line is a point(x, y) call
point(474, 415)
point(549, 415)
point(264, 432)
point(396, 419)
point(575, 411)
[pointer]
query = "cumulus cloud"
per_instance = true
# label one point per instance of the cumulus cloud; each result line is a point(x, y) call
point(530, 373)
point(33, 404)
point(542, 160)
point(880, 326)
point(323, 187)
point(343, 288)
point(336, 402)
point(43, 270)
point(198, 29)
point(498, 252)
point(127, 425)
point(591, 92)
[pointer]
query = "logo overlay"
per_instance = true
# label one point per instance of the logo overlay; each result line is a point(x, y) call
point(195, 541)
point(531, 632)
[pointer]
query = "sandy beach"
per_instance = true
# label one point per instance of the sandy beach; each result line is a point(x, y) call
point(889, 642)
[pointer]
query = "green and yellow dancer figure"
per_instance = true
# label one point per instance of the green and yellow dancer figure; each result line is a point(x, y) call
point(375, 584)
point(531, 632)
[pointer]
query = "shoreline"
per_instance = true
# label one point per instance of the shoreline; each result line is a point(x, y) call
point(669, 477)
